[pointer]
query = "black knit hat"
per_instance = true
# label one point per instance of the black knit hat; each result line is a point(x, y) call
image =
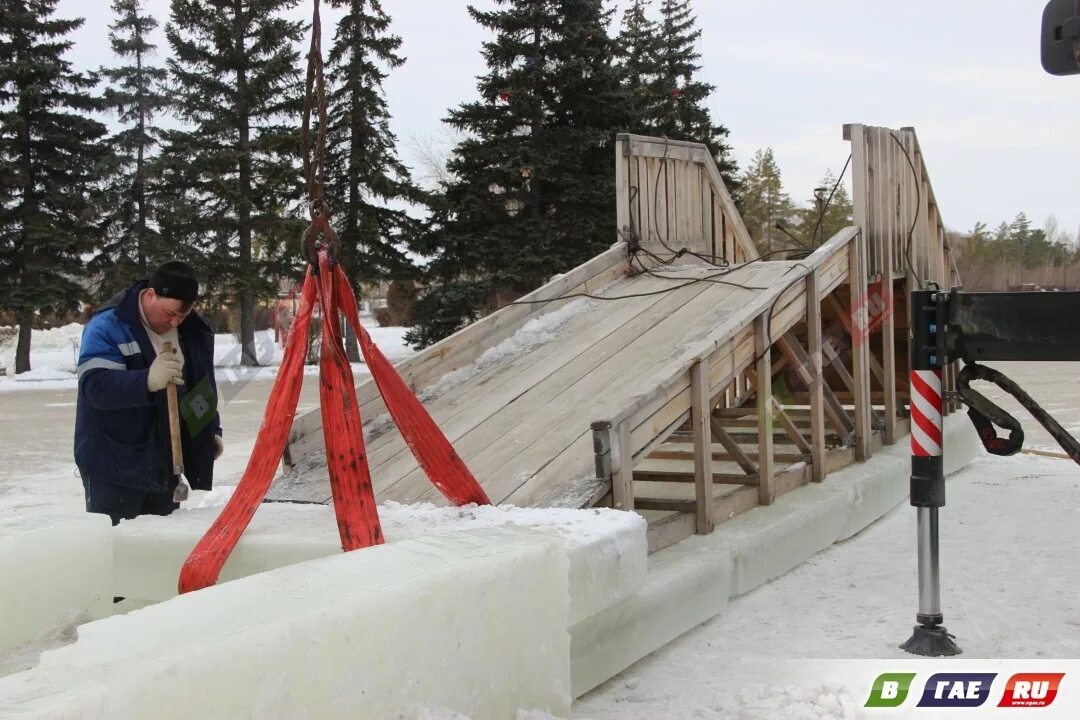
point(175, 280)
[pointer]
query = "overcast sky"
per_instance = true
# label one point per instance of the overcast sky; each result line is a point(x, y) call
point(999, 135)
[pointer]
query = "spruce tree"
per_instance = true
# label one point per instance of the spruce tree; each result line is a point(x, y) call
point(50, 156)
point(236, 84)
point(764, 202)
point(816, 227)
point(136, 94)
point(638, 50)
point(678, 107)
point(533, 191)
point(366, 182)
point(367, 185)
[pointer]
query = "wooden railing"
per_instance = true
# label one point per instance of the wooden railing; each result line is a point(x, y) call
point(670, 197)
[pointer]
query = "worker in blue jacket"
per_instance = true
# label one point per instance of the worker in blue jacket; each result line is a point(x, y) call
point(122, 445)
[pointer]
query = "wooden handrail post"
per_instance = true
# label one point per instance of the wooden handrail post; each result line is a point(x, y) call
point(700, 419)
point(766, 464)
point(622, 475)
point(859, 344)
point(817, 395)
point(622, 188)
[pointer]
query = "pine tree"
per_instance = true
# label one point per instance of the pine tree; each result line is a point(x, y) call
point(136, 94)
point(815, 227)
point(533, 188)
point(638, 48)
point(366, 182)
point(235, 73)
point(764, 202)
point(50, 155)
point(678, 107)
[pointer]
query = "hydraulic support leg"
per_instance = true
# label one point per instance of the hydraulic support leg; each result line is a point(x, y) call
point(927, 477)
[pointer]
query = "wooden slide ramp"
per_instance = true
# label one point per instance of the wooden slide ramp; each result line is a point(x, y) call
point(518, 405)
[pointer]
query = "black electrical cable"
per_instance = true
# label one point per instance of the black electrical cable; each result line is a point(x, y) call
point(914, 220)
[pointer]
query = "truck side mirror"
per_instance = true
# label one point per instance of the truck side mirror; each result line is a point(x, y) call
point(1061, 37)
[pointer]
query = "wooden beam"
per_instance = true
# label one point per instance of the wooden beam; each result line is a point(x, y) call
point(845, 320)
point(699, 419)
point(789, 427)
point(817, 397)
point(888, 325)
point(860, 347)
point(737, 454)
point(678, 453)
point(672, 476)
point(766, 464)
point(834, 409)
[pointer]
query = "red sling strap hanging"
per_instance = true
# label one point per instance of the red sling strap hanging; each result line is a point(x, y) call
point(350, 478)
point(205, 561)
point(429, 445)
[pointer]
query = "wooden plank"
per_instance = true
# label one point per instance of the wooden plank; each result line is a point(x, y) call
point(845, 320)
point(737, 454)
point(622, 474)
point(856, 133)
point(679, 451)
point(817, 397)
point(798, 358)
point(670, 530)
point(766, 463)
point(684, 477)
point(860, 346)
point(888, 324)
point(685, 506)
point(789, 427)
point(703, 472)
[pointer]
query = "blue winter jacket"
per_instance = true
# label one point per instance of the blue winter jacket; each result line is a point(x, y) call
point(121, 429)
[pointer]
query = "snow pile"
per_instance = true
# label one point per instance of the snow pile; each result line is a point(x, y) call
point(607, 548)
point(54, 353)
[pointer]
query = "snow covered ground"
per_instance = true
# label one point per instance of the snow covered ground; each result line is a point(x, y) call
point(1010, 589)
point(54, 355)
point(1009, 569)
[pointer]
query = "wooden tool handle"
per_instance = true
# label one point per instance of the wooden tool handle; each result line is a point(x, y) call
point(174, 423)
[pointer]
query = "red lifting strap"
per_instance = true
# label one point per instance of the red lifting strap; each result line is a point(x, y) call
point(350, 479)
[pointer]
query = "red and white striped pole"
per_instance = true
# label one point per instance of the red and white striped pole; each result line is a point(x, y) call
point(926, 413)
point(927, 476)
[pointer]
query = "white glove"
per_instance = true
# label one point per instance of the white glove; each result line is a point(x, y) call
point(219, 446)
point(164, 370)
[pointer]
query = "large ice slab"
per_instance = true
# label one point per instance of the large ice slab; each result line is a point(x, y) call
point(473, 621)
point(53, 568)
point(607, 549)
